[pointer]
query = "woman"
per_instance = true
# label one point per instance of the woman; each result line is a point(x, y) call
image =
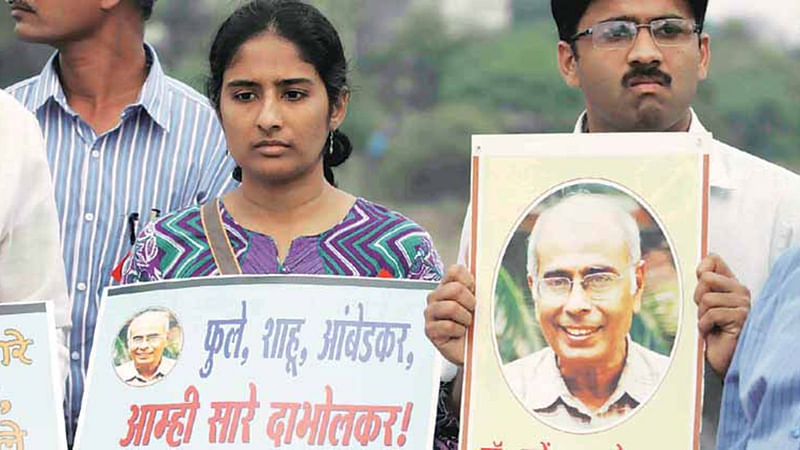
point(279, 85)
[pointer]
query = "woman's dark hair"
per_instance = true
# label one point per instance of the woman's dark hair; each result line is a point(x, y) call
point(146, 8)
point(315, 38)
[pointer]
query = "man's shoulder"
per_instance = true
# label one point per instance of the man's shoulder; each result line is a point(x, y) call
point(528, 366)
point(653, 361)
point(20, 87)
point(781, 294)
point(126, 370)
point(181, 91)
point(535, 378)
point(11, 107)
point(23, 91)
point(788, 265)
point(744, 166)
point(18, 128)
point(167, 364)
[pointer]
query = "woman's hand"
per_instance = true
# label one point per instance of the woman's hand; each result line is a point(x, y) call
point(451, 307)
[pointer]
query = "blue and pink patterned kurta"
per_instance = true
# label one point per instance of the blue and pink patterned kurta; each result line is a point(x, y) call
point(370, 241)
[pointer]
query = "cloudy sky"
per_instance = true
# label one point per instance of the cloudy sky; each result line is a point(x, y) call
point(782, 15)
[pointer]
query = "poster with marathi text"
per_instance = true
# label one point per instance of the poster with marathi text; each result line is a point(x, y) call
point(584, 249)
point(31, 414)
point(262, 362)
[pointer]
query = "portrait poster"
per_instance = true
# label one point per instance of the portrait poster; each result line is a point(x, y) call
point(584, 250)
point(31, 411)
point(272, 361)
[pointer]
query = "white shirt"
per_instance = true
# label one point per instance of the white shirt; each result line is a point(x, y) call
point(130, 375)
point(31, 268)
point(754, 215)
point(536, 381)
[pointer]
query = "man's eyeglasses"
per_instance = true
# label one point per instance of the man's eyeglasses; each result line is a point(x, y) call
point(596, 285)
point(150, 339)
point(620, 34)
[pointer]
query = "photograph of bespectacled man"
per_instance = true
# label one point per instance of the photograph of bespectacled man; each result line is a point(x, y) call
point(586, 307)
point(147, 347)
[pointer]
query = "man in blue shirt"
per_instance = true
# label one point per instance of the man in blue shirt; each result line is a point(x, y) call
point(761, 400)
point(124, 143)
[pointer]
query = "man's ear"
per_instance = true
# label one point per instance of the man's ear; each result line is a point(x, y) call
point(108, 5)
point(535, 299)
point(705, 57)
point(637, 289)
point(568, 64)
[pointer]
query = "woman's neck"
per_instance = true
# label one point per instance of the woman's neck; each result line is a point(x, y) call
point(288, 210)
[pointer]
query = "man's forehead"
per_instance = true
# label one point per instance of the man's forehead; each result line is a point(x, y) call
point(147, 323)
point(582, 252)
point(636, 10)
point(584, 213)
point(583, 233)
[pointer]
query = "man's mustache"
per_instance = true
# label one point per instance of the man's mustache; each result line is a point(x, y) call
point(21, 4)
point(649, 72)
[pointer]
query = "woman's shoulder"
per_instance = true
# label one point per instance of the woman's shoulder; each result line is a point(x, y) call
point(182, 224)
point(400, 246)
point(378, 215)
point(165, 245)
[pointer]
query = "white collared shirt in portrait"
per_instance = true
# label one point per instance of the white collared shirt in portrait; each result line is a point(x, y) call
point(130, 375)
point(537, 383)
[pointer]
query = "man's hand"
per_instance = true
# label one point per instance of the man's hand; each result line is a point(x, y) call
point(449, 313)
point(723, 305)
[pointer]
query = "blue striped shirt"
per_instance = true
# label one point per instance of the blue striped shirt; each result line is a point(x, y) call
point(166, 153)
point(761, 400)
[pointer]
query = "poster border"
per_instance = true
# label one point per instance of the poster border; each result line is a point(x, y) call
point(57, 384)
point(275, 279)
point(238, 280)
point(7, 309)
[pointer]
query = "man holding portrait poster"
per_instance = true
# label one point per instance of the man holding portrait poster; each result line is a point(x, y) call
point(638, 65)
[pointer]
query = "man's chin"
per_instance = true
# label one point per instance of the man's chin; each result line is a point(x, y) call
point(26, 34)
point(143, 362)
point(575, 358)
point(649, 117)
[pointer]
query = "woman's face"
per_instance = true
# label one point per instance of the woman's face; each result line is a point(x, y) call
point(274, 110)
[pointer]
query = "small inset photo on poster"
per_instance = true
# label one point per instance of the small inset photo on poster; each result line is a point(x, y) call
point(586, 306)
point(147, 347)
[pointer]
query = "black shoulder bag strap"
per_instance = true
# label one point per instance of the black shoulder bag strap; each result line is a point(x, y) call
point(217, 238)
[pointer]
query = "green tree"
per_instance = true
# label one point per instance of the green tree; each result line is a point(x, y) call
point(515, 72)
point(750, 99)
point(523, 11)
point(428, 156)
